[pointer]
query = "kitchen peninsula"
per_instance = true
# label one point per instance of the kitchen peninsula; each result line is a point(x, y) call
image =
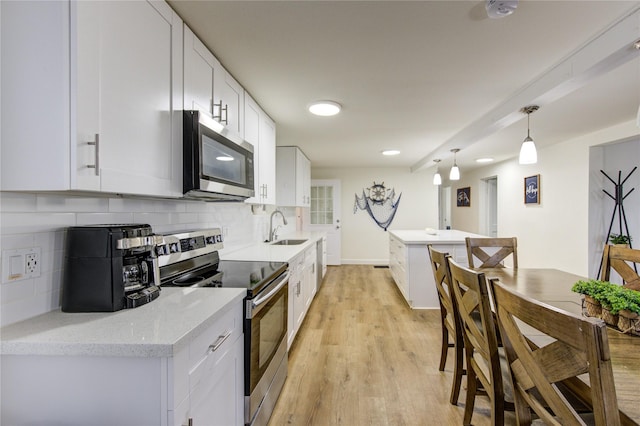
point(410, 266)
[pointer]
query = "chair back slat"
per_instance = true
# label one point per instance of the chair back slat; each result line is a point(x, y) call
point(482, 249)
point(480, 339)
point(621, 259)
point(578, 346)
point(450, 320)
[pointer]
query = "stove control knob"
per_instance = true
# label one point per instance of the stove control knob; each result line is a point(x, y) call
point(174, 248)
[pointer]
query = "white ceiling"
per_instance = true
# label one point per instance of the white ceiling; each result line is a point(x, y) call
point(427, 76)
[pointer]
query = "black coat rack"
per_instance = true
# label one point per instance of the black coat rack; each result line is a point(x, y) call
point(619, 207)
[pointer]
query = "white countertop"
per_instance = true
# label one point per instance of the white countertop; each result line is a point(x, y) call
point(268, 252)
point(158, 329)
point(442, 236)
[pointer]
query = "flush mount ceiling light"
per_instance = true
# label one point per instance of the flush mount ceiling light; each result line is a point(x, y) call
point(437, 179)
point(484, 160)
point(390, 152)
point(528, 152)
point(324, 108)
point(454, 174)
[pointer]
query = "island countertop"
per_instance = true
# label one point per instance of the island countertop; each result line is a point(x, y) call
point(158, 329)
point(441, 236)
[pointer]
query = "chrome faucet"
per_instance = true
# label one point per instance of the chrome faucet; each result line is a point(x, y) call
point(272, 232)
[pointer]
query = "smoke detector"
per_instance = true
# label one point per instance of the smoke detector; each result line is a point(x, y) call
point(500, 8)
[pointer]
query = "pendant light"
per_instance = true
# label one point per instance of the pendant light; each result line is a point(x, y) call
point(528, 152)
point(454, 174)
point(437, 179)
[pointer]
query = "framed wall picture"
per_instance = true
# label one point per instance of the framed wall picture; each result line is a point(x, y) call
point(532, 189)
point(464, 197)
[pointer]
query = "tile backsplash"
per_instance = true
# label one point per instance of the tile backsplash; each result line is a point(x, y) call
point(39, 220)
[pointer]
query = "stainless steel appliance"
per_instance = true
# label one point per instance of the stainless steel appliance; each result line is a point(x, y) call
point(217, 165)
point(109, 267)
point(191, 259)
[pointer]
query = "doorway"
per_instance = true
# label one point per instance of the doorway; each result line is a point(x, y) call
point(489, 207)
point(444, 208)
point(325, 216)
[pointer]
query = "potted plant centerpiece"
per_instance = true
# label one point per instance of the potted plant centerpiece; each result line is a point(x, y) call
point(619, 239)
point(616, 305)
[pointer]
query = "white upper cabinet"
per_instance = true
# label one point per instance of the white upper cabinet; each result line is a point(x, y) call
point(209, 87)
point(95, 99)
point(260, 131)
point(293, 177)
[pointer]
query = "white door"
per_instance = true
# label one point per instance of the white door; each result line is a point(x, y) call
point(325, 216)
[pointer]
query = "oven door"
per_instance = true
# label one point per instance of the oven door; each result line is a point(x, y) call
point(265, 358)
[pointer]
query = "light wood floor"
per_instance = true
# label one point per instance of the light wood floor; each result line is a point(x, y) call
point(363, 357)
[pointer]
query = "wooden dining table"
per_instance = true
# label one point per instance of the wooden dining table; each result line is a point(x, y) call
point(553, 287)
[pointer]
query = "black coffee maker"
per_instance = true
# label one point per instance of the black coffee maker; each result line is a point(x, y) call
point(110, 267)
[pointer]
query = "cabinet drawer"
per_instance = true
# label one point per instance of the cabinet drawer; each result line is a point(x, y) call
point(221, 334)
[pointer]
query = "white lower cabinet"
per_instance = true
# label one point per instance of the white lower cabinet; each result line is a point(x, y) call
point(302, 289)
point(296, 297)
point(201, 382)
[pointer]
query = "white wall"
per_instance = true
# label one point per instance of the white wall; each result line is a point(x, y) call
point(556, 233)
point(363, 241)
point(39, 220)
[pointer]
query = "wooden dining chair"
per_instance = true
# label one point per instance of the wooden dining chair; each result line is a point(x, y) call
point(541, 374)
point(491, 252)
point(621, 259)
point(480, 342)
point(450, 319)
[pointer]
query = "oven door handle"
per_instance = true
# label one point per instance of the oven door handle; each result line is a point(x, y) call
point(253, 304)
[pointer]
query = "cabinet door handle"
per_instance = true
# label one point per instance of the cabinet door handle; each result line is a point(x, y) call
point(95, 143)
point(221, 109)
point(219, 341)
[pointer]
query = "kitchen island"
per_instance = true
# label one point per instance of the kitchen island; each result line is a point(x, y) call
point(410, 266)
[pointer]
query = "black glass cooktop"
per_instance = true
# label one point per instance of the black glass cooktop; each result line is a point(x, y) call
point(251, 275)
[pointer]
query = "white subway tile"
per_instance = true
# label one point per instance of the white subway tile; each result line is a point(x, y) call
point(17, 241)
point(153, 219)
point(50, 241)
point(16, 290)
point(58, 203)
point(17, 223)
point(132, 205)
point(196, 206)
point(102, 218)
point(165, 206)
point(17, 202)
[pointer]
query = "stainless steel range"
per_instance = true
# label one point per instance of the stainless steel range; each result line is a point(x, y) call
point(191, 259)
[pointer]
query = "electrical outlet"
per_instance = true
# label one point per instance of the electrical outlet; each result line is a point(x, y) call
point(20, 264)
point(32, 264)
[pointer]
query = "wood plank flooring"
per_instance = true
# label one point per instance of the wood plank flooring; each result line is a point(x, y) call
point(363, 357)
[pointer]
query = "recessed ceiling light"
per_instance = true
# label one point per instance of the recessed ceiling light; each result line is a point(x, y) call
point(390, 152)
point(324, 108)
point(484, 160)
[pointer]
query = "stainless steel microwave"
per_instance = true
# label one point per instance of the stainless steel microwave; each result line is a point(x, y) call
point(217, 165)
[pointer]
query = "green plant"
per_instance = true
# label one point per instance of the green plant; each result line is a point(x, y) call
point(619, 239)
point(612, 296)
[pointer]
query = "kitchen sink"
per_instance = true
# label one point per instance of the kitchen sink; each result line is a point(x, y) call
point(288, 242)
